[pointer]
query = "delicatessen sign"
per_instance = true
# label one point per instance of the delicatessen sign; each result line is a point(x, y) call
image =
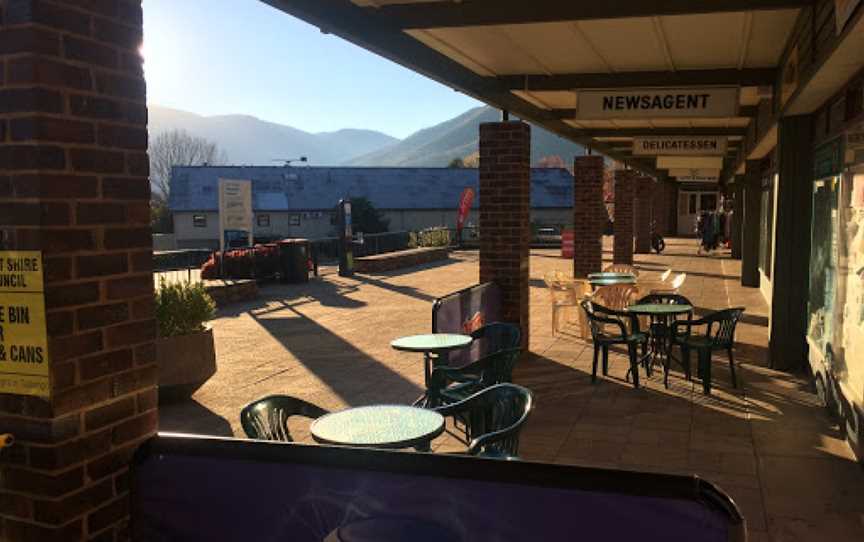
point(679, 146)
point(657, 103)
point(24, 362)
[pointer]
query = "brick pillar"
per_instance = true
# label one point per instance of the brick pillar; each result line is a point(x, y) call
point(589, 215)
point(623, 225)
point(737, 215)
point(74, 186)
point(643, 213)
point(505, 223)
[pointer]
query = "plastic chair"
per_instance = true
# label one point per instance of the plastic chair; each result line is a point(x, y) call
point(562, 295)
point(621, 268)
point(497, 336)
point(665, 276)
point(601, 319)
point(449, 385)
point(494, 417)
point(616, 297)
point(719, 334)
point(267, 418)
point(673, 287)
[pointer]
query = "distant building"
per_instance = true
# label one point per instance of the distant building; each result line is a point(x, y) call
point(299, 201)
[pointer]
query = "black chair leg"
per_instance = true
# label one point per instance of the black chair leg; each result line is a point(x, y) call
point(605, 360)
point(634, 363)
point(732, 367)
point(594, 365)
point(685, 361)
point(705, 370)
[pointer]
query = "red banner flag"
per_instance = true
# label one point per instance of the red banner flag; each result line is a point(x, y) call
point(465, 202)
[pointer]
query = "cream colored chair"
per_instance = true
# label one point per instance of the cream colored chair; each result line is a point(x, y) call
point(665, 276)
point(565, 293)
point(616, 297)
point(673, 286)
point(621, 268)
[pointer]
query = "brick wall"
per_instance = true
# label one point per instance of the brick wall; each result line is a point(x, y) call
point(505, 183)
point(665, 202)
point(73, 184)
point(643, 213)
point(589, 215)
point(623, 223)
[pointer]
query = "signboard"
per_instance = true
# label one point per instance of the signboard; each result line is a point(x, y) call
point(24, 358)
point(568, 247)
point(652, 103)
point(679, 146)
point(465, 202)
point(235, 208)
point(843, 10)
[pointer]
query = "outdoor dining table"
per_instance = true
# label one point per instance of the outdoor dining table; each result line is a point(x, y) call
point(610, 279)
point(379, 426)
point(435, 348)
point(660, 315)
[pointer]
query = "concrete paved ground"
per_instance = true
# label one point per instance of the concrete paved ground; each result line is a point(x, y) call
point(768, 442)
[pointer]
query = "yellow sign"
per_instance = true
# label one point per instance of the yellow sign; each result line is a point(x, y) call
point(24, 364)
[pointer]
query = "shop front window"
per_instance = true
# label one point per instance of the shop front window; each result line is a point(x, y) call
point(824, 254)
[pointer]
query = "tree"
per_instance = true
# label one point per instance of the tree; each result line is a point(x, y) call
point(553, 161)
point(366, 218)
point(456, 163)
point(472, 160)
point(179, 148)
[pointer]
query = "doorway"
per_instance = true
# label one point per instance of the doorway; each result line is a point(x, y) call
point(690, 204)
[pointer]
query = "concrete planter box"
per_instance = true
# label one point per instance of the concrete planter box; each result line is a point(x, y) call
point(185, 363)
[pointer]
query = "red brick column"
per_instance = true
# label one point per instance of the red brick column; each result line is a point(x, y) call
point(73, 185)
point(589, 215)
point(643, 213)
point(665, 203)
point(505, 224)
point(623, 224)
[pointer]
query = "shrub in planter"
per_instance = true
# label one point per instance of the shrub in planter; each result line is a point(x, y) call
point(185, 353)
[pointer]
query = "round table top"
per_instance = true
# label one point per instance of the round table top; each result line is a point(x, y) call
point(432, 342)
point(610, 275)
point(611, 281)
point(379, 426)
point(659, 308)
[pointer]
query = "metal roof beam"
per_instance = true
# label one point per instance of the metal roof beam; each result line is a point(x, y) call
point(359, 26)
point(749, 77)
point(496, 12)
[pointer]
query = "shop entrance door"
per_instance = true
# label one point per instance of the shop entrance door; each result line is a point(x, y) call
point(690, 204)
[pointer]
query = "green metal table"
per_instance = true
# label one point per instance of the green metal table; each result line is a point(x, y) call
point(435, 348)
point(660, 315)
point(610, 275)
point(611, 280)
point(379, 426)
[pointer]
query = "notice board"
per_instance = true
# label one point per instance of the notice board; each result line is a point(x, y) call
point(24, 362)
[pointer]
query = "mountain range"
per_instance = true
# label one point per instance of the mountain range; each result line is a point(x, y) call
point(251, 141)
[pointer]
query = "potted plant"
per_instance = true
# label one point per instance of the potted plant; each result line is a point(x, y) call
point(185, 352)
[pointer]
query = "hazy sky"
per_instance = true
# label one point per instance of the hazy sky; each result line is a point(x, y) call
point(242, 56)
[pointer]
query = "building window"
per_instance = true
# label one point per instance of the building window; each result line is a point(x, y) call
point(263, 221)
point(199, 221)
point(294, 220)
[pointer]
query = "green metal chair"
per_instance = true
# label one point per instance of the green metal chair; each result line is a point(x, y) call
point(494, 417)
point(719, 334)
point(498, 336)
point(449, 385)
point(267, 418)
point(600, 320)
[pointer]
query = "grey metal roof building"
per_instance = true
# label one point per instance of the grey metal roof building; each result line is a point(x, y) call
point(282, 188)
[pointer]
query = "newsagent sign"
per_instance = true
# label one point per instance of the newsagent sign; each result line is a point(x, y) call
point(679, 146)
point(652, 103)
point(23, 337)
